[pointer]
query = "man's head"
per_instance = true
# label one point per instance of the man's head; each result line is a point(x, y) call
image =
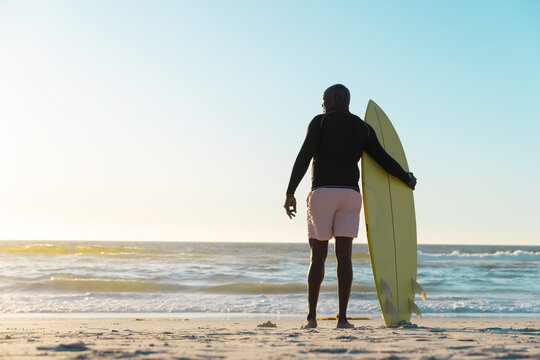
point(336, 97)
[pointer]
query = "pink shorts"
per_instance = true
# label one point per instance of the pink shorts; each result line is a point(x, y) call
point(333, 212)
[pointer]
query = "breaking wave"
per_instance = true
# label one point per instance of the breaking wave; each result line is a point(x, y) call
point(260, 288)
point(516, 255)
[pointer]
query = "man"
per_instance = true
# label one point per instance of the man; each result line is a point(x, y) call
point(335, 141)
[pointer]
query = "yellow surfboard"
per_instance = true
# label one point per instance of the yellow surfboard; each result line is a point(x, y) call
point(390, 225)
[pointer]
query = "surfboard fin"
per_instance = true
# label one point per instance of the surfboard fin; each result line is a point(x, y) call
point(413, 308)
point(385, 289)
point(390, 309)
point(418, 289)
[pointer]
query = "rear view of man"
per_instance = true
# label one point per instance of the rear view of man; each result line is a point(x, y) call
point(335, 141)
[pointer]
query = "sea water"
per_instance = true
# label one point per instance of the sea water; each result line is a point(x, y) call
point(247, 278)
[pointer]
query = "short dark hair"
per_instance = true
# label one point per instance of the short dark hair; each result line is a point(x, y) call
point(342, 91)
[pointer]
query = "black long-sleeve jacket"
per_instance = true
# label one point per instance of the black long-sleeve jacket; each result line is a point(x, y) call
point(336, 145)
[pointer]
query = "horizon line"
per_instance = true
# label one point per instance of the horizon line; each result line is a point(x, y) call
point(249, 242)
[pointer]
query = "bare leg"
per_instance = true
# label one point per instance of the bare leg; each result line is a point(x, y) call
point(343, 249)
point(318, 251)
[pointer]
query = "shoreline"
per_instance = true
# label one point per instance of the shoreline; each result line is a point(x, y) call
point(52, 316)
point(174, 338)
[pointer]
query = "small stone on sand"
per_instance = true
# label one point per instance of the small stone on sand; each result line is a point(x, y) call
point(267, 324)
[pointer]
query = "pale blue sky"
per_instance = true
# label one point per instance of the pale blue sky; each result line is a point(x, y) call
point(180, 120)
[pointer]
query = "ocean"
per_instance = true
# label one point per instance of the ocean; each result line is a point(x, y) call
point(251, 278)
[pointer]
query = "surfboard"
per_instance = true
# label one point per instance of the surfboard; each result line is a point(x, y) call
point(391, 226)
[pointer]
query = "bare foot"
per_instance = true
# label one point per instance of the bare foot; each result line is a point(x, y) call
point(309, 324)
point(344, 324)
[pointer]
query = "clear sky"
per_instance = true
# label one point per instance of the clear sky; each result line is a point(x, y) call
point(180, 120)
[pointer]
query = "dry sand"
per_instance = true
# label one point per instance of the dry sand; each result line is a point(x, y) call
point(241, 339)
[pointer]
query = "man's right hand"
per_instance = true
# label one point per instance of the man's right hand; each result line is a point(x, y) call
point(412, 181)
point(290, 206)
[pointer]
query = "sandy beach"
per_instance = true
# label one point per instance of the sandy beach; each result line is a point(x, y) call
point(435, 338)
